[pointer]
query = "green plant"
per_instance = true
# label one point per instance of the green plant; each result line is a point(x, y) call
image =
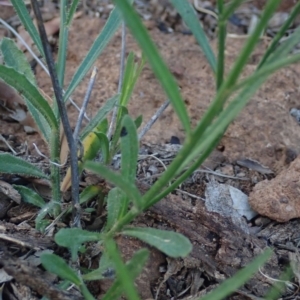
point(124, 202)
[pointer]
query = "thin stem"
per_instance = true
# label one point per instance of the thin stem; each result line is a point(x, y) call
point(62, 112)
point(122, 66)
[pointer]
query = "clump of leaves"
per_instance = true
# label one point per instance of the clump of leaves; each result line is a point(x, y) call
point(124, 201)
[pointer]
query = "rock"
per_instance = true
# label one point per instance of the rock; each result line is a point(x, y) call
point(279, 198)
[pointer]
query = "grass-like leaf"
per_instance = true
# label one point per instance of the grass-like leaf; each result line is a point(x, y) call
point(171, 243)
point(191, 19)
point(134, 267)
point(271, 49)
point(72, 11)
point(128, 187)
point(125, 277)
point(30, 93)
point(129, 149)
point(158, 65)
point(131, 74)
point(58, 266)
point(14, 165)
point(62, 43)
point(13, 57)
point(29, 196)
point(232, 284)
point(100, 116)
point(115, 199)
point(110, 28)
point(25, 18)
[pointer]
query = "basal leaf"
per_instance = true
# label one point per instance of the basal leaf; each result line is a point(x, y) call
point(171, 243)
point(129, 149)
point(14, 165)
point(30, 196)
point(13, 57)
point(30, 93)
point(123, 274)
point(58, 266)
point(73, 238)
point(115, 199)
point(134, 267)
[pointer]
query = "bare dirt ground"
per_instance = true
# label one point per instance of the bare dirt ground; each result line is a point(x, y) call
point(258, 147)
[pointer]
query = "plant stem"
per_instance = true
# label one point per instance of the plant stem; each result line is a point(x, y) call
point(63, 115)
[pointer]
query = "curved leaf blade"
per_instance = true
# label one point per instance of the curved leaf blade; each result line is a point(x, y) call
point(101, 114)
point(171, 243)
point(129, 188)
point(232, 284)
point(58, 266)
point(110, 28)
point(29, 92)
point(30, 196)
point(134, 267)
point(25, 18)
point(10, 164)
point(13, 57)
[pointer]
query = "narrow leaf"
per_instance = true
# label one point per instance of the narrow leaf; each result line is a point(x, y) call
point(14, 165)
point(129, 150)
point(191, 19)
point(129, 188)
point(115, 198)
point(58, 266)
point(232, 284)
point(30, 196)
point(73, 238)
point(125, 277)
point(99, 117)
point(158, 65)
point(62, 43)
point(171, 243)
point(131, 74)
point(110, 28)
point(25, 18)
point(134, 267)
point(72, 11)
point(13, 57)
point(29, 92)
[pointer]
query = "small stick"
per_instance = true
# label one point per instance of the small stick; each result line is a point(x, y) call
point(121, 75)
point(153, 120)
point(85, 103)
